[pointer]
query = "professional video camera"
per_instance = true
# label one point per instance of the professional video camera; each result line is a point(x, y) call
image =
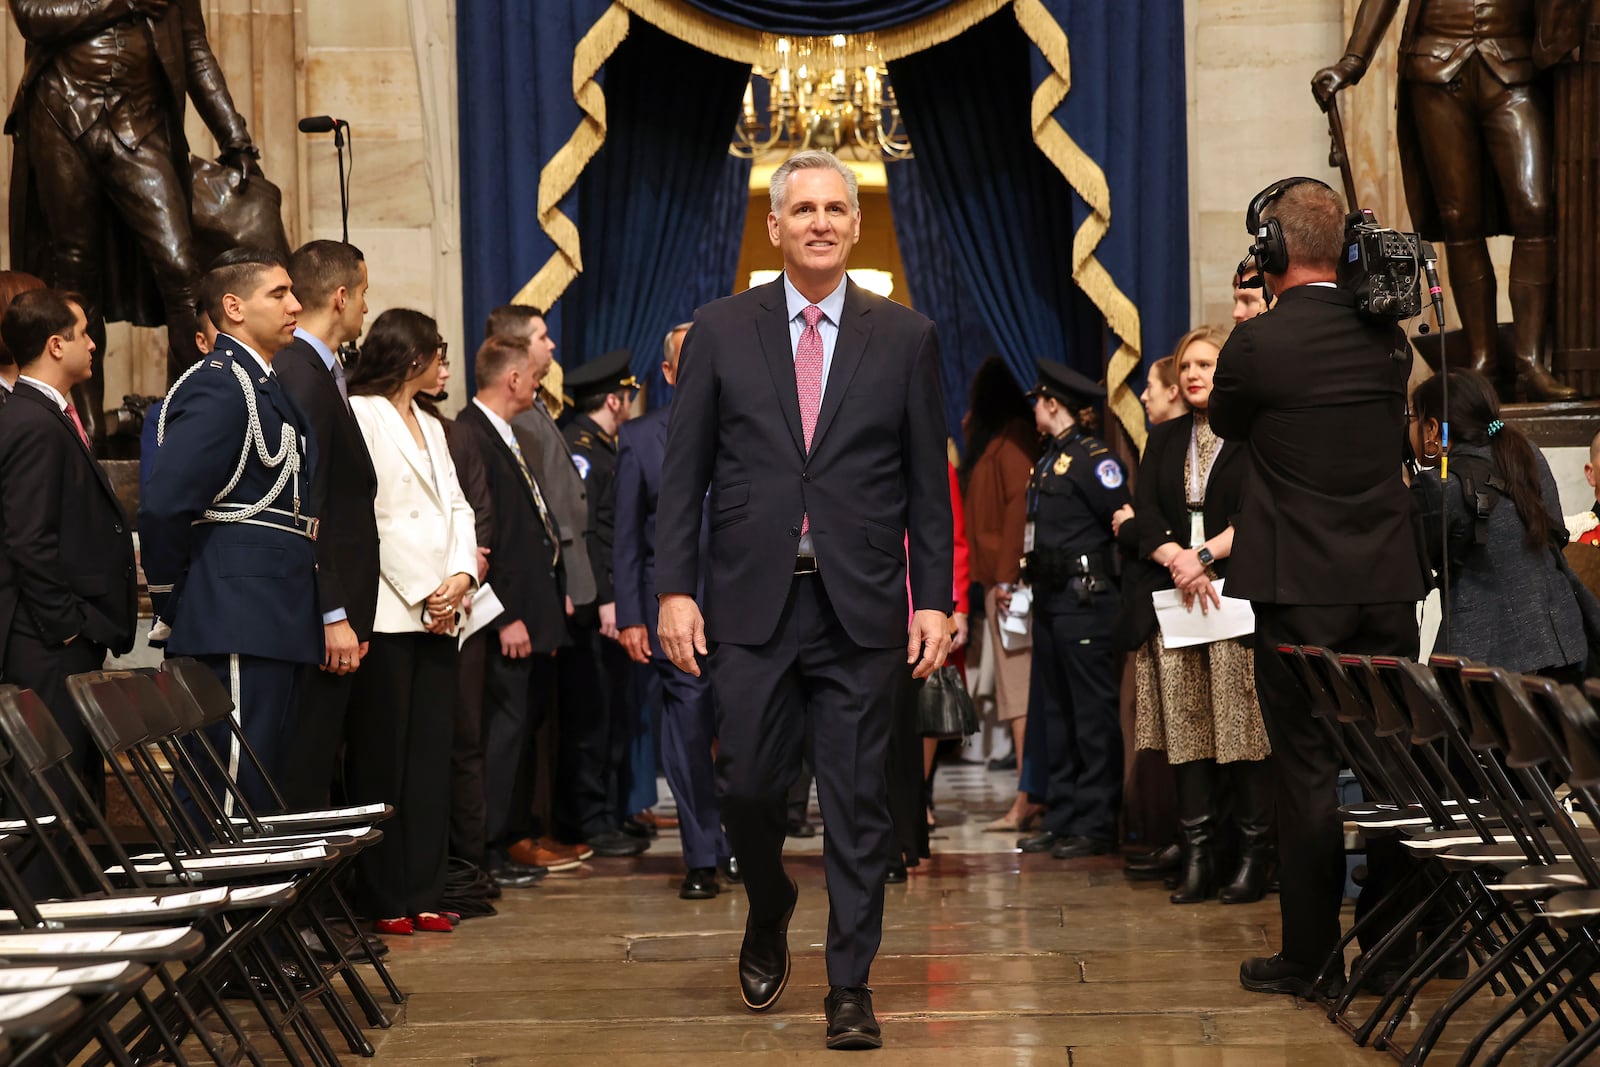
point(1383, 267)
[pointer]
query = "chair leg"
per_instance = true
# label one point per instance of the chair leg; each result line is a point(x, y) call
point(1475, 929)
point(1435, 1025)
point(395, 995)
point(1535, 1017)
point(1524, 1001)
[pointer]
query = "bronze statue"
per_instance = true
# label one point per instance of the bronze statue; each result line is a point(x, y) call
point(100, 185)
point(1475, 151)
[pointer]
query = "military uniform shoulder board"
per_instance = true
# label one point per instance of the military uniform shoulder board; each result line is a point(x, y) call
point(1109, 472)
point(584, 440)
point(1095, 446)
point(215, 363)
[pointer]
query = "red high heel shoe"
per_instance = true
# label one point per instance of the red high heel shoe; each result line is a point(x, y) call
point(432, 922)
point(395, 927)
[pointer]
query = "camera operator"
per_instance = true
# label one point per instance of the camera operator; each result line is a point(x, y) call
point(1326, 544)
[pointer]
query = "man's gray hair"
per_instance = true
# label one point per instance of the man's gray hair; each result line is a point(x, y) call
point(812, 160)
point(666, 342)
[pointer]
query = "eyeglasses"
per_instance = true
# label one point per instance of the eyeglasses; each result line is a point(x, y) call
point(444, 353)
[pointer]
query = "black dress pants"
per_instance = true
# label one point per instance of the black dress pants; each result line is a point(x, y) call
point(468, 813)
point(594, 734)
point(322, 702)
point(765, 695)
point(30, 664)
point(1311, 867)
point(516, 694)
point(399, 753)
point(1074, 724)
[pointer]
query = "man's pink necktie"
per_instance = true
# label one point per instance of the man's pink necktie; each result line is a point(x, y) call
point(77, 424)
point(808, 381)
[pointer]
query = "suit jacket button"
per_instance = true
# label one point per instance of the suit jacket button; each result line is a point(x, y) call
point(805, 476)
point(116, 527)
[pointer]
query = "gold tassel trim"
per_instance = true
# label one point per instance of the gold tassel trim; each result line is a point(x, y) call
point(1089, 181)
point(558, 176)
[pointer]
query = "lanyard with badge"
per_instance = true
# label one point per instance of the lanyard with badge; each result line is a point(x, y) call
point(1195, 489)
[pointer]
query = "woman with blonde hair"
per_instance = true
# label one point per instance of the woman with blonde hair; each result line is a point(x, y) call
point(1198, 704)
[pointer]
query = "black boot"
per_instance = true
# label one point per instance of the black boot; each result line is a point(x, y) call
point(1252, 789)
point(1198, 879)
point(1255, 863)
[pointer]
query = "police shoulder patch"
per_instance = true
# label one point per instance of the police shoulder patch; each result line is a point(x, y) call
point(1110, 473)
point(582, 463)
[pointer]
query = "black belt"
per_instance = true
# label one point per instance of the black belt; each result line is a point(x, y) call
point(805, 565)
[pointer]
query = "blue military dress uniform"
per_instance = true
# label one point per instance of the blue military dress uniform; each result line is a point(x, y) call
point(227, 544)
point(688, 713)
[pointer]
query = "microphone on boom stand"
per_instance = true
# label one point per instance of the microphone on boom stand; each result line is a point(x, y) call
point(338, 127)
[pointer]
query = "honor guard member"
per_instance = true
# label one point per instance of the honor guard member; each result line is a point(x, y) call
point(224, 522)
point(1074, 738)
point(599, 716)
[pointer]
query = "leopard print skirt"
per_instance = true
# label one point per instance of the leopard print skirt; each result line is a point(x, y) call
point(1199, 703)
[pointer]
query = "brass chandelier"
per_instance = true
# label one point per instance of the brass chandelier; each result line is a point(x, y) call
point(830, 93)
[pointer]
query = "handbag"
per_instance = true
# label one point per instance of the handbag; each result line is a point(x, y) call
point(944, 707)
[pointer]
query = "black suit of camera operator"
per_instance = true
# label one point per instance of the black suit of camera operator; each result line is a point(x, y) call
point(1326, 543)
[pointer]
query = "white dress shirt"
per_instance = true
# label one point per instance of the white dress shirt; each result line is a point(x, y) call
point(48, 390)
point(501, 426)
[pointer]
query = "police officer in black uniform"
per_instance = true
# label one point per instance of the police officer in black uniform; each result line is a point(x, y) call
point(1074, 737)
point(597, 710)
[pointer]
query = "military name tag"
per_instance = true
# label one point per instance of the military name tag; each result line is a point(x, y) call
point(1027, 538)
point(1063, 464)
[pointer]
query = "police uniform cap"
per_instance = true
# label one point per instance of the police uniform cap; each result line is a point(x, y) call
point(1066, 385)
point(609, 373)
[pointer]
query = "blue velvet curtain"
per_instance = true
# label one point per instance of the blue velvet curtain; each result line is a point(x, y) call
point(1127, 111)
point(516, 110)
point(1001, 211)
point(819, 17)
point(661, 206)
point(937, 287)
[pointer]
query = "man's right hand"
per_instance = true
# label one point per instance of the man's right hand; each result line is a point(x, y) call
point(514, 640)
point(341, 649)
point(682, 631)
point(635, 641)
point(1343, 74)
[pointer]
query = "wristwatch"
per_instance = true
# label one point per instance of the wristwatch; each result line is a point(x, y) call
point(1203, 554)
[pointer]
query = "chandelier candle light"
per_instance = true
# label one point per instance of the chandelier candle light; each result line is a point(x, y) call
point(850, 111)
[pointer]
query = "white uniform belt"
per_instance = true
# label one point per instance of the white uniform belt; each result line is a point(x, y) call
point(277, 518)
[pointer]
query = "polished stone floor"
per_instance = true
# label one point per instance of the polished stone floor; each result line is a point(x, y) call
point(989, 957)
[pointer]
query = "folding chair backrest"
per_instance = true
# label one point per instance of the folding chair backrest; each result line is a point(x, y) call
point(1506, 712)
point(147, 702)
point(204, 687)
point(1580, 732)
point(30, 731)
point(1348, 700)
point(107, 712)
point(1423, 700)
point(1482, 731)
point(1388, 719)
point(180, 703)
point(1301, 660)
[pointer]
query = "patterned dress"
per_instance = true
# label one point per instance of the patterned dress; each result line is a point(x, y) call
point(1199, 702)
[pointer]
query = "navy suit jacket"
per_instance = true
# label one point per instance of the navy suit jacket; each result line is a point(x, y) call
point(876, 473)
point(229, 587)
point(641, 448)
point(66, 549)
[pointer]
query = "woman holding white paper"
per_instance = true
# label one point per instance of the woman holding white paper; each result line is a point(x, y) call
point(1198, 704)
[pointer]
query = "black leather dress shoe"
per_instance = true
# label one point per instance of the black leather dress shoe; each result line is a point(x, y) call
point(802, 828)
point(1007, 762)
point(1274, 974)
point(615, 843)
point(1157, 864)
point(896, 874)
point(1077, 847)
point(851, 1024)
point(699, 884)
point(730, 871)
point(514, 876)
point(1043, 841)
point(634, 828)
point(764, 959)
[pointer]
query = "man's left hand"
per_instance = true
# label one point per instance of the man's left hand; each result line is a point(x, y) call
point(930, 640)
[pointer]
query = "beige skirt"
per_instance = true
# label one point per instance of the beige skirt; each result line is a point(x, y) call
point(1199, 703)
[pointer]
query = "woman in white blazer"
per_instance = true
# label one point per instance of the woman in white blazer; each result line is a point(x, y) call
point(401, 709)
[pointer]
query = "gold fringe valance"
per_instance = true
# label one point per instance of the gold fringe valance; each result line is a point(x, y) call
point(709, 34)
point(559, 175)
point(1089, 181)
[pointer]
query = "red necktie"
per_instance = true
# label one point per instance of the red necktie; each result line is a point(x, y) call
point(77, 424)
point(808, 381)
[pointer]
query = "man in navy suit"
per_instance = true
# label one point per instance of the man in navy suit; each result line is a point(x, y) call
point(811, 410)
point(225, 521)
point(688, 716)
point(66, 547)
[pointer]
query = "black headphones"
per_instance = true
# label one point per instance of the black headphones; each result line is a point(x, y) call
point(1270, 252)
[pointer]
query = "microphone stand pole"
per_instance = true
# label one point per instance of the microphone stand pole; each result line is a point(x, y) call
point(1436, 296)
point(339, 126)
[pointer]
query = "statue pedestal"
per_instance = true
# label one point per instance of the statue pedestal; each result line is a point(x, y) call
point(1567, 424)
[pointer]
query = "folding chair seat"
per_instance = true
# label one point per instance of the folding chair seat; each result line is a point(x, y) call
point(32, 1024)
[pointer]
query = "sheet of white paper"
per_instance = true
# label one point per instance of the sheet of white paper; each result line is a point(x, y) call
point(1181, 628)
point(486, 608)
